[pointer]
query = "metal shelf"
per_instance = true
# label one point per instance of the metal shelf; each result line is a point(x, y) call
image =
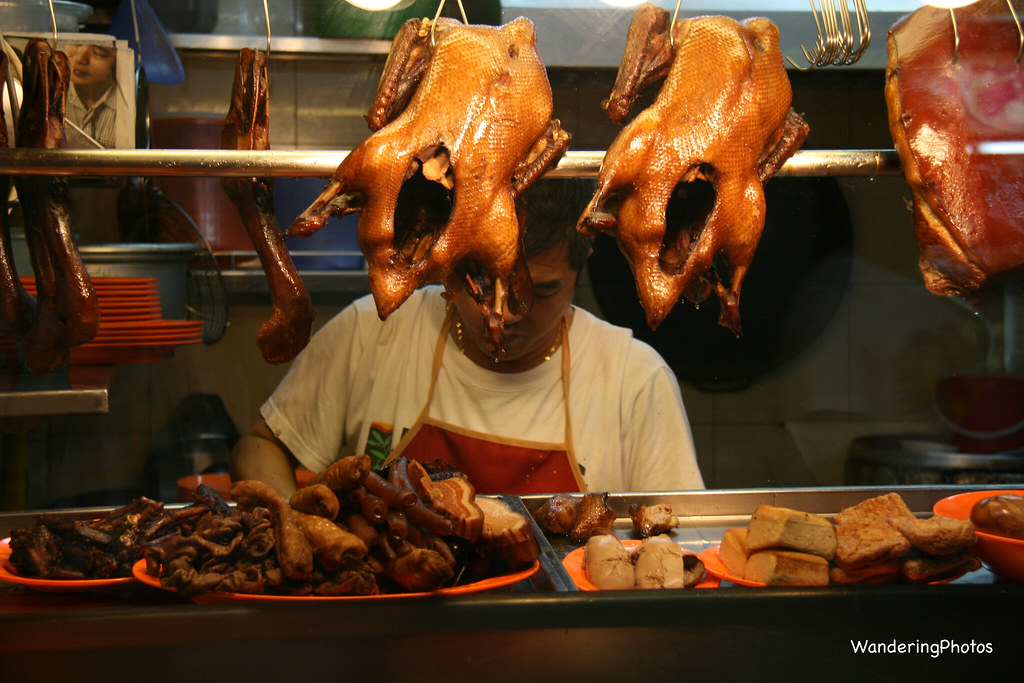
point(322, 163)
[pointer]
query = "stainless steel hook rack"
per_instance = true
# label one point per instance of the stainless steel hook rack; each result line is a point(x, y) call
point(322, 163)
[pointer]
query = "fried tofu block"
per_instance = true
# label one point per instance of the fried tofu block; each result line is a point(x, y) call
point(928, 568)
point(733, 551)
point(881, 572)
point(937, 535)
point(778, 527)
point(889, 506)
point(867, 539)
point(787, 568)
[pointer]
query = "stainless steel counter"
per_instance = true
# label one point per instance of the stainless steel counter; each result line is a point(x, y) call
point(534, 631)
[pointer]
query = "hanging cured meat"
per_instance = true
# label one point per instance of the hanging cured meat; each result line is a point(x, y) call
point(682, 185)
point(247, 127)
point(67, 310)
point(462, 126)
point(948, 115)
point(16, 305)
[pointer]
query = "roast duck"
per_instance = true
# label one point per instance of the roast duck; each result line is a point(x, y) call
point(65, 311)
point(462, 126)
point(247, 127)
point(682, 185)
point(968, 203)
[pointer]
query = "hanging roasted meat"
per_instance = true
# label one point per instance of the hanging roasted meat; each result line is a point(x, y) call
point(67, 312)
point(463, 125)
point(247, 127)
point(16, 305)
point(945, 115)
point(682, 185)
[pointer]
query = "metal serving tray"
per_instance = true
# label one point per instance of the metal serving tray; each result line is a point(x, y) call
point(705, 515)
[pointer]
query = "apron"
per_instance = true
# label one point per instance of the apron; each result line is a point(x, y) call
point(495, 464)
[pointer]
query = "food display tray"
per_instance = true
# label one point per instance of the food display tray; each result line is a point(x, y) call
point(542, 628)
point(705, 515)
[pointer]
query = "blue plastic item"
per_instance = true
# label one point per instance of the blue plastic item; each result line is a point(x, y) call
point(155, 51)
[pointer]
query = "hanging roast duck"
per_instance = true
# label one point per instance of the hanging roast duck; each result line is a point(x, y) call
point(463, 126)
point(722, 116)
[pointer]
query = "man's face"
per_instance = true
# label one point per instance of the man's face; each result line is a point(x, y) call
point(92, 64)
point(528, 338)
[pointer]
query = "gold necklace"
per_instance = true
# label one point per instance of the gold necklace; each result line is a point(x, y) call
point(462, 347)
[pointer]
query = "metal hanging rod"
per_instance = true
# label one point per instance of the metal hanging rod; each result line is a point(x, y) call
point(305, 163)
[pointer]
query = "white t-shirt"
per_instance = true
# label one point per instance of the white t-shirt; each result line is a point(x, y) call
point(630, 431)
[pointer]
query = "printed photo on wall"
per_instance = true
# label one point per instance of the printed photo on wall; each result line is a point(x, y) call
point(100, 110)
point(101, 99)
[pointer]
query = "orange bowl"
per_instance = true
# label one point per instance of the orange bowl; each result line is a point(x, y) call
point(1002, 555)
point(221, 483)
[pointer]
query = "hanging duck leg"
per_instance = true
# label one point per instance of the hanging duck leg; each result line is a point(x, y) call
point(67, 312)
point(16, 305)
point(247, 127)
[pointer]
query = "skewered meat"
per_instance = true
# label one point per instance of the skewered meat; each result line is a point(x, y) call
point(437, 180)
point(67, 312)
point(968, 205)
point(722, 118)
point(247, 127)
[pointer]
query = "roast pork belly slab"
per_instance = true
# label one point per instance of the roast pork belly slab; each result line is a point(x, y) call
point(947, 117)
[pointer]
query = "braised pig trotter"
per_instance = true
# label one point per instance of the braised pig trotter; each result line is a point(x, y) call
point(247, 127)
point(67, 312)
point(722, 120)
point(437, 180)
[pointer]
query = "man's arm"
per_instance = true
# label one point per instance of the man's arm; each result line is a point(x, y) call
point(262, 456)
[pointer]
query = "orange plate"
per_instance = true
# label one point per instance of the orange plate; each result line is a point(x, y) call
point(714, 565)
point(573, 563)
point(139, 570)
point(10, 574)
point(959, 506)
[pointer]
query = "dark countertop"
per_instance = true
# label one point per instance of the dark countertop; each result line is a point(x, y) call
point(531, 631)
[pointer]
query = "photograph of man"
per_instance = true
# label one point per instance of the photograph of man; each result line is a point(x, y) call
point(91, 105)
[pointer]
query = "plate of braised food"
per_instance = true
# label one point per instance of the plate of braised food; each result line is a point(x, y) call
point(350, 533)
point(998, 517)
point(65, 554)
point(878, 540)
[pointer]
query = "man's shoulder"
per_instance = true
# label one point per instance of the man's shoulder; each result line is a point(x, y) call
point(425, 306)
point(602, 337)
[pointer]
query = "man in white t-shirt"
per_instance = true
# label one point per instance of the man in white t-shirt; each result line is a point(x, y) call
point(571, 404)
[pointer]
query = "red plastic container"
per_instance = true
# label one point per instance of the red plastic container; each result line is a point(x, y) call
point(984, 414)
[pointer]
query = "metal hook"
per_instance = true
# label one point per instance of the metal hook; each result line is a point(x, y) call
point(266, 15)
point(672, 26)
point(53, 23)
point(1020, 32)
point(956, 36)
point(437, 15)
point(835, 43)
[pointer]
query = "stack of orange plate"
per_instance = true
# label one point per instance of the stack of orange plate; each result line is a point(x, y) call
point(132, 329)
